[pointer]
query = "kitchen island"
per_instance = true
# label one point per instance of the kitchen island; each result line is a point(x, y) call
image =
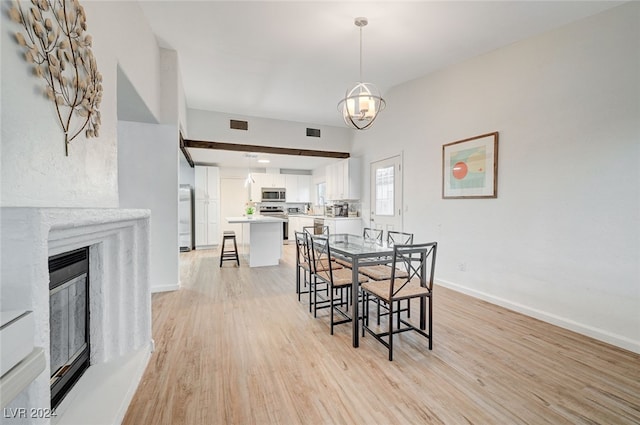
point(261, 239)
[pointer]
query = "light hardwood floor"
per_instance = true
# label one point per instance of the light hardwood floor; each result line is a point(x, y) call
point(234, 346)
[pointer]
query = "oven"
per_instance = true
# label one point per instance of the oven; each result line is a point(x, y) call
point(272, 211)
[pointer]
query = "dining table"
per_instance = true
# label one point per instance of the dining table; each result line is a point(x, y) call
point(359, 252)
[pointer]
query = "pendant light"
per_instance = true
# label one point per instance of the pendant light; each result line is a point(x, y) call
point(249, 180)
point(362, 103)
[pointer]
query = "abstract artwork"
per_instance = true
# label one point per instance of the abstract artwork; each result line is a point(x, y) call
point(470, 167)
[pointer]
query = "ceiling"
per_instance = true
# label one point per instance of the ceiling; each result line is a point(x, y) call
point(295, 60)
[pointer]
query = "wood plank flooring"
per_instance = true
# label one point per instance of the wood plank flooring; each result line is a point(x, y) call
point(234, 346)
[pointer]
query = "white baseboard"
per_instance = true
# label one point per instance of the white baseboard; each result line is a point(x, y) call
point(165, 288)
point(563, 322)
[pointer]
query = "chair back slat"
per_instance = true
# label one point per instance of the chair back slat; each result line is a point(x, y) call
point(370, 234)
point(313, 230)
point(320, 254)
point(302, 248)
point(399, 238)
point(419, 261)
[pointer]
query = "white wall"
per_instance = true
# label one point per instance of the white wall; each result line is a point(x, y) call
point(148, 178)
point(123, 26)
point(187, 172)
point(562, 240)
point(214, 126)
point(35, 170)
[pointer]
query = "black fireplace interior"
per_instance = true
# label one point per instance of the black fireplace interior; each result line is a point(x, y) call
point(69, 320)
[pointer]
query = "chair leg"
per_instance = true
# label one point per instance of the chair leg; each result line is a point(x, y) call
point(222, 251)
point(331, 307)
point(391, 331)
point(298, 281)
point(365, 311)
point(430, 323)
point(235, 246)
point(315, 299)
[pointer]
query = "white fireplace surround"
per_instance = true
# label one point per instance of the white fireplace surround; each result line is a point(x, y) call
point(120, 296)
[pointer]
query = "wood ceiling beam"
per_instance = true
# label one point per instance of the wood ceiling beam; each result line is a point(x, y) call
point(185, 152)
point(200, 144)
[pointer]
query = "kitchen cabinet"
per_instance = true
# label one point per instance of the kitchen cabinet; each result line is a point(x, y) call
point(351, 225)
point(343, 179)
point(297, 223)
point(291, 185)
point(298, 188)
point(265, 180)
point(270, 179)
point(207, 206)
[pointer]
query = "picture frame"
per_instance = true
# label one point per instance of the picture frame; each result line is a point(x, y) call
point(470, 168)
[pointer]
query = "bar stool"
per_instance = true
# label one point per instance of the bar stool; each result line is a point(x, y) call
point(229, 254)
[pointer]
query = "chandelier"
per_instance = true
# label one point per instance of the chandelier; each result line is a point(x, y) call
point(361, 104)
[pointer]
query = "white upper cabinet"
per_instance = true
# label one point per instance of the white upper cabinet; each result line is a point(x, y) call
point(272, 180)
point(343, 179)
point(298, 188)
point(304, 188)
point(291, 185)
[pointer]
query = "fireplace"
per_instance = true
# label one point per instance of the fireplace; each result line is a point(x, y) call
point(68, 320)
point(119, 303)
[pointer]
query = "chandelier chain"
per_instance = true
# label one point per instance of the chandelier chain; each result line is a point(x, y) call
point(361, 80)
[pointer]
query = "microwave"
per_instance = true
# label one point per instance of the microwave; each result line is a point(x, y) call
point(272, 194)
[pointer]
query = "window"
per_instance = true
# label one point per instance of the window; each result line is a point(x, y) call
point(384, 191)
point(321, 192)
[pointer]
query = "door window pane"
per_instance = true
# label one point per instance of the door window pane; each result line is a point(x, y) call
point(384, 191)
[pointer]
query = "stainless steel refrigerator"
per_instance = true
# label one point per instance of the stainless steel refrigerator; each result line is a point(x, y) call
point(185, 217)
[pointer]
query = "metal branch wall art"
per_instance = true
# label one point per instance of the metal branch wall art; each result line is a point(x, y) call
point(59, 48)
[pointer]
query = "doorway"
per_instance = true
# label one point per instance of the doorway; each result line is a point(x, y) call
point(233, 196)
point(386, 194)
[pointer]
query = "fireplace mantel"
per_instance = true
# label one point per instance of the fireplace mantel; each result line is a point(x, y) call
point(120, 285)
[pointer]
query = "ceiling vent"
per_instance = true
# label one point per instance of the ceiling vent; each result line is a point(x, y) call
point(313, 132)
point(238, 125)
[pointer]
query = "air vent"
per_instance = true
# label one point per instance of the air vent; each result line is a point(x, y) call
point(313, 132)
point(238, 125)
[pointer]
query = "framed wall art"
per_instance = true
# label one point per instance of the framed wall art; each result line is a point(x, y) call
point(470, 168)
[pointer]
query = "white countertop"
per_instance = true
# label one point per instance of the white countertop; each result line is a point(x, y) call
point(324, 217)
point(255, 219)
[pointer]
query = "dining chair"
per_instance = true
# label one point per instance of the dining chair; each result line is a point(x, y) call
point(383, 271)
point(303, 265)
point(315, 265)
point(338, 280)
point(419, 260)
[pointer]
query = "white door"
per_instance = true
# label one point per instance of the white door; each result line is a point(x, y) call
point(386, 194)
point(233, 198)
